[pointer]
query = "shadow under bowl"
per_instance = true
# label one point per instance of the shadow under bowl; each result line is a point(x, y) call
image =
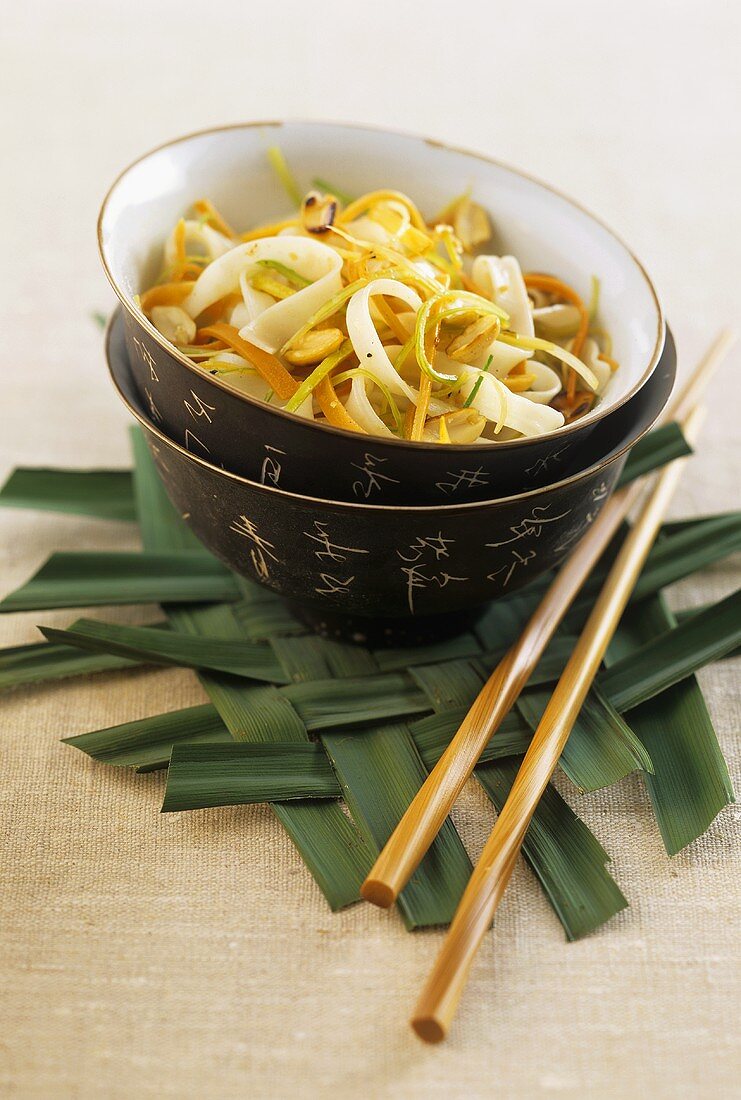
point(545, 230)
point(377, 572)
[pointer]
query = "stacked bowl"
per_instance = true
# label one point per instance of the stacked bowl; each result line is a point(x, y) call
point(373, 538)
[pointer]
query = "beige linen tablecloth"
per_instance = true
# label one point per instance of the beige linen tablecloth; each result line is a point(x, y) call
point(191, 955)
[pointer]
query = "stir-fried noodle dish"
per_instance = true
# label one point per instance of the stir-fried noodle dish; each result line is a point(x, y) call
point(361, 314)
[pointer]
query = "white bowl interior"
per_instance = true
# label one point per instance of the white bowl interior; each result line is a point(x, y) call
point(544, 230)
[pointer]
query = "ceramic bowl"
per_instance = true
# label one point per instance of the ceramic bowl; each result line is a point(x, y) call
point(545, 230)
point(381, 572)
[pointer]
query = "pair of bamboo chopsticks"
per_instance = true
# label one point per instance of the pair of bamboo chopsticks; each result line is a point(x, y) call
point(421, 822)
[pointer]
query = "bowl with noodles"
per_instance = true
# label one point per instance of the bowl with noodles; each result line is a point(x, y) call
point(425, 326)
point(395, 574)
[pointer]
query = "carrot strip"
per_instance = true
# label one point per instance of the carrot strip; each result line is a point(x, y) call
point(208, 211)
point(269, 230)
point(201, 340)
point(333, 409)
point(612, 363)
point(423, 405)
point(267, 365)
point(519, 383)
point(166, 294)
point(213, 312)
point(391, 319)
point(552, 285)
point(361, 205)
point(425, 385)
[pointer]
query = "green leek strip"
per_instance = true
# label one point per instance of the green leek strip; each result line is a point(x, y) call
point(404, 352)
point(100, 319)
point(433, 311)
point(253, 660)
point(330, 845)
point(103, 494)
point(90, 579)
point(420, 336)
point(363, 372)
point(330, 189)
point(195, 351)
point(594, 298)
point(482, 306)
point(318, 374)
point(690, 785)
point(218, 366)
point(205, 775)
point(535, 343)
point(280, 166)
point(442, 263)
point(288, 273)
point(477, 385)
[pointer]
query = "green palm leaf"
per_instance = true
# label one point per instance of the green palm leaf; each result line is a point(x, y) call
point(103, 494)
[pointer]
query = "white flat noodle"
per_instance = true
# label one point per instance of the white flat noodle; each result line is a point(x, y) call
point(254, 301)
point(251, 382)
point(424, 267)
point(274, 325)
point(503, 358)
point(200, 239)
point(240, 316)
point(501, 280)
point(365, 229)
point(556, 322)
point(360, 408)
point(365, 340)
point(522, 415)
point(601, 369)
point(546, 385)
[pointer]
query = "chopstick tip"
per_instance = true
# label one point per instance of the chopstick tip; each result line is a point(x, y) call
point(428, 1029)
point(378, 893)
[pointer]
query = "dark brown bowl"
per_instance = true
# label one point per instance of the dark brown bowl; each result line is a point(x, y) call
point(415, 572)
point(265, 444)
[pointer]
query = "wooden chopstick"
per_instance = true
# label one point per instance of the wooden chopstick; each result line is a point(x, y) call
point(426, 813)
point(441, 994)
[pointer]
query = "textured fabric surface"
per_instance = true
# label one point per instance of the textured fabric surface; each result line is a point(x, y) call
point(191, 955)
